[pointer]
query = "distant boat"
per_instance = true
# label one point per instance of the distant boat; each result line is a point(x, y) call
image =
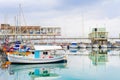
point(103, 46)
point(116, 45)
point(82, 45)
point(82, 50)
point(109, 46)
point(73, 45)
point(95, 46)
point(89, 46)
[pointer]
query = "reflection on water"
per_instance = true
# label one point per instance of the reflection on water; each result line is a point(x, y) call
point(74, 50)
point(36, 72)
point(98, 57)
point(96, 64)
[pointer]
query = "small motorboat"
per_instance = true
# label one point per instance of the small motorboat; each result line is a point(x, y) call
point(73, 45)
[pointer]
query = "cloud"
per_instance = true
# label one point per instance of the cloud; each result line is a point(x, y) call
point(28, 2)
point(67, 14)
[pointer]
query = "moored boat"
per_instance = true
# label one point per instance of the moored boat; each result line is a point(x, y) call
point(109, 46)
point(35, 57)
point(20, 53)
point(89, 46)
point(103, 46)
point(73, 45)
point(82, 45)
point(95, 46)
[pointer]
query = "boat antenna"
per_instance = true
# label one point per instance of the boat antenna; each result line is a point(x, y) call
point(5, 27)
point(82, 24)
point(20, 22)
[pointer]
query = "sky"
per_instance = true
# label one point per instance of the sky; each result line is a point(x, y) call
point(75, 17)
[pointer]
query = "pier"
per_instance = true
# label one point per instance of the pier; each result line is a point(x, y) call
point(46, 35)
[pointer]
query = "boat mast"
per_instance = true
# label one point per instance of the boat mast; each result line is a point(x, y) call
point(15, 29)
point(5, 28)
point(20, 22)
point(82, 25)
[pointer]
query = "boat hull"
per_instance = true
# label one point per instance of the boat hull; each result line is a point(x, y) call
point(103, 46)
point(22, 60)
point(82, 46)
point(95, 46)
point(74, 46)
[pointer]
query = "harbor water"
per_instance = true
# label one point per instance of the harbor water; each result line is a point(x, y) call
point(82, 64)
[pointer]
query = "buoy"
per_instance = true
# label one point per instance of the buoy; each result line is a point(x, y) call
point(9, 52)
point(4, 49)
point(27, 53)
point(6, 64)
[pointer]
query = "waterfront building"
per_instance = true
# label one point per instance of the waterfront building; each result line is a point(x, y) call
point(28, 32)
point(99, 36)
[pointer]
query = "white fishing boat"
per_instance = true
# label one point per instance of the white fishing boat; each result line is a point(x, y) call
point(41, 54)
point(37, 57)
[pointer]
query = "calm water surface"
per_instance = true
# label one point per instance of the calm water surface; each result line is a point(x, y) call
point(91, 65)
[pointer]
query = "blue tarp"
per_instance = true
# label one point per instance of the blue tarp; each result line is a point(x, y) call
point(17, 42)
point(74, 43)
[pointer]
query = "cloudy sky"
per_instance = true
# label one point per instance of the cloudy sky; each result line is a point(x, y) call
point(75, 17)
